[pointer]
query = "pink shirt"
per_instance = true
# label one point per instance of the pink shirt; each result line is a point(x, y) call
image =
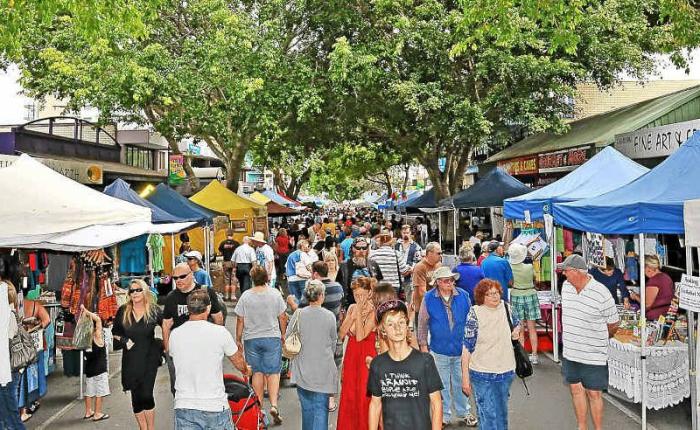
point(663, 299)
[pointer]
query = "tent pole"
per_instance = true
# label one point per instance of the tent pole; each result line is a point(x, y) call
point(643, 322)
point(172, 251)
point(455, 214)
point(555, 302)
point(150, 262)
point(440, 228)
point(692, 362)
point(206, 248)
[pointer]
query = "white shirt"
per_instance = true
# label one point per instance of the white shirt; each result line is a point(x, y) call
point(197, 349)
point(585, 319)
point(5, 315)
point(244, 254)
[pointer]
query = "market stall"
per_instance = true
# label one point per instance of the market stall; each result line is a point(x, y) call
point(651, 204)
point(604, 172)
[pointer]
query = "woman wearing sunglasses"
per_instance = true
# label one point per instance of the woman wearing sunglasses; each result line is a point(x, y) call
point(135, 332)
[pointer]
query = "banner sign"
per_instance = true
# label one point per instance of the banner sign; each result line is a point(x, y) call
point(79, 171)
point(562, 161)
point(656, 142)
point(176, 169)
point(689, 293)
point(520, 166)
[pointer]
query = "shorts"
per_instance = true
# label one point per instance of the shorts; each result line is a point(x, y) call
point(264, 354)
point(97, 386)
point(228, 272)
point(526, 308)
point(592, 377)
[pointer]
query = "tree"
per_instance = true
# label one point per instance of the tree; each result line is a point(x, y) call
point(236, 75)
point(436, 79)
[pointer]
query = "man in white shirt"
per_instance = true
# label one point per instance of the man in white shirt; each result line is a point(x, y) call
point(197, 348)
point(589, 319)
point(243, 258)
point(265, 256)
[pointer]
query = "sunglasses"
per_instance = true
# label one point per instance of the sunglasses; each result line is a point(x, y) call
point(136, 290)
point(181, 276)
point(361, 248)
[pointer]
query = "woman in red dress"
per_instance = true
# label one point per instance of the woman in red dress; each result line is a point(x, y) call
point(359, 325)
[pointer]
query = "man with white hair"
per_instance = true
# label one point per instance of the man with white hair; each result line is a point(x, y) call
point(589, 319)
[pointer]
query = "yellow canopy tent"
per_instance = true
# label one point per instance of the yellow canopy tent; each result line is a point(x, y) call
point(260, 198)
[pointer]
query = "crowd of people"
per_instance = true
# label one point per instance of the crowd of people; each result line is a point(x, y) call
point(391, 337)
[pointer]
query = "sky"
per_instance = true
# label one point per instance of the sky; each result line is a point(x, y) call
point(12, 102)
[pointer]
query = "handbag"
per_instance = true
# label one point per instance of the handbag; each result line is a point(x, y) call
point(291, 347)
point(22, 348)
point(523, 367)
point(302, 270)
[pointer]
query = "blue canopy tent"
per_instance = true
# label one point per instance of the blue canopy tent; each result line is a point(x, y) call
point(652, 203)
point(604, 172)
point(489, 191)
point(277, 198)
point(426, 200)
point(173, 202)
point(122, 190)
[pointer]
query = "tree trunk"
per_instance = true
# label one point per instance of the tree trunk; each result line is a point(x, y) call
point(387, 179)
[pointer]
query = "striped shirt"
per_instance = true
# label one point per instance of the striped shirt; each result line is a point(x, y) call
point(389, 262)
point(585, 319)
point(333, 300)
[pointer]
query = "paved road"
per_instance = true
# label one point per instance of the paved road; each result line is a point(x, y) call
point(547, 407)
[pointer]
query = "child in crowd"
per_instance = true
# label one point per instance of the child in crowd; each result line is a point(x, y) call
point(97, 377)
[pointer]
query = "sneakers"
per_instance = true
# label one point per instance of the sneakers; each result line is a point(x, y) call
point(534, 359)
point(470, 420)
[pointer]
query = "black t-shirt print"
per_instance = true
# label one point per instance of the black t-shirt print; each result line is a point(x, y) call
point(175, 306)
point(405, 388)
point(227, 247)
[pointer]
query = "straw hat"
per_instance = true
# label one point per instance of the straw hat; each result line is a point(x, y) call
point(259, 237)
point(517, 253)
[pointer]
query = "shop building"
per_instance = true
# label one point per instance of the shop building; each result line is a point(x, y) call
point(646, 131)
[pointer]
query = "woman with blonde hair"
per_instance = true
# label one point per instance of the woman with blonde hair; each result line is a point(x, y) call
point(359, 325)
point(659, 289)
point(135, 332)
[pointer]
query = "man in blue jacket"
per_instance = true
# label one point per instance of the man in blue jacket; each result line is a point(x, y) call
point(443, 314)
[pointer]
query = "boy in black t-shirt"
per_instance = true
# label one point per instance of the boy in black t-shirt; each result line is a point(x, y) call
point(404, 383)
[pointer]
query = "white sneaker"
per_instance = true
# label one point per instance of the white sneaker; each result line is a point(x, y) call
point(534, 359)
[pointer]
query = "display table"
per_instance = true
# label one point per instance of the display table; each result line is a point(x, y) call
point(666, 377)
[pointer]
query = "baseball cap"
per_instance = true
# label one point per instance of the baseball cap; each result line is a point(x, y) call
point(391, 305)
point(443, 272)
point(573, 261)
point(494, 244)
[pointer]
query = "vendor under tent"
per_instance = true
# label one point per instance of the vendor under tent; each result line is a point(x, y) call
point(39, 200)
point(604, 172)
point(173, 202)
point(653, 203)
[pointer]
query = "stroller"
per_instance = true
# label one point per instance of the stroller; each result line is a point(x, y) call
point(245, 407)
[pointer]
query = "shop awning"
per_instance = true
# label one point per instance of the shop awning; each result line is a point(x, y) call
point(217, 197)
point(122, 190)
point(653, 203)
point(599, 130)
point(175, 203)
point(606, 171)
point(38, 201)
point(488, 192)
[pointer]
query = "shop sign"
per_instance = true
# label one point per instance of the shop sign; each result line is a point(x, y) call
point(562, 161)
point(656, 142)
point(689, 293)
point(79, 171)
point(520, 166)
point(176, 169)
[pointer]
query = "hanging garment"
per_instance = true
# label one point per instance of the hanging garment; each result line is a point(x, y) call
point(156, 245)
point(132, 255)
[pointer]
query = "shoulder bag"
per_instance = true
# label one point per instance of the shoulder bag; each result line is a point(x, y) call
point(523, 367)
point(291, 347)
point(22, 348)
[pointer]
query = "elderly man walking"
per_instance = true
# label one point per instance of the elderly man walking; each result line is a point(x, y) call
point(443, 314)
point(589, 319)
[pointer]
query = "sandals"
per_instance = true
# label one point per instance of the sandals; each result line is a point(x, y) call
point(275, 413)
point(26, 417)
point(87, 417)
point(102, 418)
point(470, 420)
point(332, 405)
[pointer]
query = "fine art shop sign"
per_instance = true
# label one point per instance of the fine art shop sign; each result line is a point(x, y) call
point(656, 142)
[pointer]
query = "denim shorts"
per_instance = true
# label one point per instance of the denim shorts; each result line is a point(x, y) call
point(264, 354)
point(191, 419)
point(592, 377)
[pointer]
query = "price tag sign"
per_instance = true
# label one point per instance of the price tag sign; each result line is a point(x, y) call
point(689, 293)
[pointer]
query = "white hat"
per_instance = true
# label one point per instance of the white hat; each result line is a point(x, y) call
point(259, 237)
point(194, 254)
point(516, 253)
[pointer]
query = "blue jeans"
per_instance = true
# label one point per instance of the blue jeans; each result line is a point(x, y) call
point(9, 411)
point(491, 392)
point(296, 288)
point(450, 370)
point(192, 419)
point(314, 409)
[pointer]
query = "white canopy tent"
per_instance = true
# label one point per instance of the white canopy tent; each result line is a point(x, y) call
point(40, 201)
point(691, 220)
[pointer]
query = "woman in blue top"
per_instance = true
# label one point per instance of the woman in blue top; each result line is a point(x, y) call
point(613, 279)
